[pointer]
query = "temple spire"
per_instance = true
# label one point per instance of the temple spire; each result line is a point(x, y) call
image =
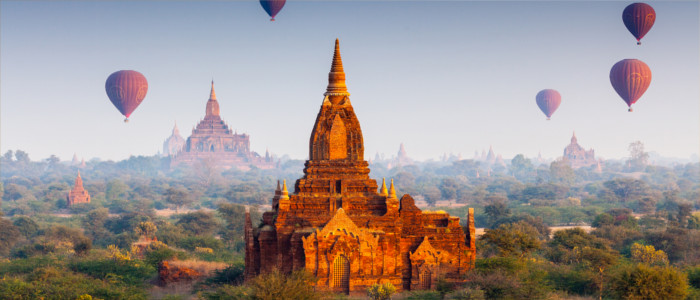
point(285, 193)
point(392, 190)
point(384, 191)
point(573, 138)
point(176, 131)
point(79, 180)
point(336, 90)
point(212, 104)
point(212, 94)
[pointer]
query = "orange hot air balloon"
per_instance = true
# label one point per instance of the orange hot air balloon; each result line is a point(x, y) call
point(630, 78)
point(548, 100)
point(639, 18)
point(126, 89)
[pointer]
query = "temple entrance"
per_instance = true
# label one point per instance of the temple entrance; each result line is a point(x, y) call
point(425, 280)
point(341, 274)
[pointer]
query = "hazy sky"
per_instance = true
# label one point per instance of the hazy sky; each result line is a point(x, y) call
point(453, 76)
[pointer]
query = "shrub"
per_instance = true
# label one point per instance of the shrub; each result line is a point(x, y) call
point(381, 291)
point(131, 272)
point(276, 285)
point(192, 242)
point(424, 295)
point(467, 294)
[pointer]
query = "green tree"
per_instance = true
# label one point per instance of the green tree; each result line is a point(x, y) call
point(642, 281)
point(521, 167)
point(146, 229)
point(638, 158)
point(26, 226)
point(648, 254)
point(198, 222)
point(516, 239)
point(9, 235)
point(178, 196)
point(496, 211)
point(561, 172)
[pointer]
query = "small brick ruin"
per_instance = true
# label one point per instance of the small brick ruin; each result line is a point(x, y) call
point(78, 194)
point(342, 228)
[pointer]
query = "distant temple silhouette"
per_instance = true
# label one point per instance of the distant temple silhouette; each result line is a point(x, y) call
point(577, 156)
point(173, 145)
point(213, 141)
point(339, 226)
point(78, 194)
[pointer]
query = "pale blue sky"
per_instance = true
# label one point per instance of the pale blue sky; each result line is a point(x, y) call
point(454, 76)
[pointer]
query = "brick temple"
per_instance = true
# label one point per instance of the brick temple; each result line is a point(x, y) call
point(212, 141)
point(339, 225)
point(577, 156)
point(78, 194)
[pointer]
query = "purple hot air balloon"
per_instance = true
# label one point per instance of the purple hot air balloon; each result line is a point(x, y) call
point(548, 100)
point(630, 78)
point(639, 18)
point(126, 89)
point(272, 7)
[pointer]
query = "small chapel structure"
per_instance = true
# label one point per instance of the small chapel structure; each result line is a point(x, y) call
point(346, 229)
point(78, 194)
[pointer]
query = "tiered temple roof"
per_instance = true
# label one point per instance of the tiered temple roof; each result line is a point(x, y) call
point(213, 141)
point(339, 226)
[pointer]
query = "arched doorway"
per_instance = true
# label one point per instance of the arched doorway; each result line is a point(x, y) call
point(425, 280)
point(341, 274)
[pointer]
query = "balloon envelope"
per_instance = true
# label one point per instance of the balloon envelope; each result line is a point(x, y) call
point(272, 7)
point(126, 89)
point(630, 78)
point(548, 100)
point(639, 18)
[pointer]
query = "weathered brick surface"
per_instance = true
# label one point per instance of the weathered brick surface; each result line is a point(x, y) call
point(342, 229)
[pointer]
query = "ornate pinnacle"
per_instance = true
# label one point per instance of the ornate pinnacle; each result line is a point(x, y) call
point(392, 190)
point(285, 193)
point(212, 94)
point(336, 78)
point(384, 191)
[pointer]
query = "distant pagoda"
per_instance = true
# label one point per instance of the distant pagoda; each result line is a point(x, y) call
point(347, 230)
point(78, 194)
point(173, 145)
point(577, 156)
point(213, 141)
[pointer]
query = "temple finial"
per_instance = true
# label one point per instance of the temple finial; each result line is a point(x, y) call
point(212, 94)
point(384, 191)
point(336, 90)
point(285, 193)
point(392, 190)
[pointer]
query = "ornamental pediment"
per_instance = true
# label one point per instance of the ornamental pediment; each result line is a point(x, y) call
point(340, 223)
point(427, 253)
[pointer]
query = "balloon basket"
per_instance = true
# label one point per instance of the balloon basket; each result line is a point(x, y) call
point(548, 119)
point(630, 110)
point(639, 43)
point(126, 120)
point(272, 20)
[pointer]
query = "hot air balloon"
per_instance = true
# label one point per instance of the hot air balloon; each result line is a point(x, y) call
point(126, 89)
point(630, 78)
point(638, 18)
point(272, 7)
point(548, 100)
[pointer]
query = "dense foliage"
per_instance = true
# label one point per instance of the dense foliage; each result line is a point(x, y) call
point(641, 244)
